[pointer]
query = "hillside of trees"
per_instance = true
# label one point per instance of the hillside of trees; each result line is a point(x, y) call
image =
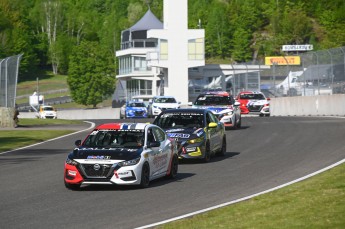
point(49, 32)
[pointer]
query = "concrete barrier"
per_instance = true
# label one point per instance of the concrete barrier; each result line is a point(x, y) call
point(81, 114)
point(6, 117)
point(320, 105)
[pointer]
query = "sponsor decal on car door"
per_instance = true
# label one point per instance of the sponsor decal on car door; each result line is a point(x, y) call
point(158, 156)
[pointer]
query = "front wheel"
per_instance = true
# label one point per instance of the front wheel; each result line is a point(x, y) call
point(222, 150)
point(145, 176)
point(207, 157)
point(239, 124)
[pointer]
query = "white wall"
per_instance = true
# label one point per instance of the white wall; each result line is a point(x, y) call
point(321, 105)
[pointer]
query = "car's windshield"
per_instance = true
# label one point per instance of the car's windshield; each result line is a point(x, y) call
point(48, 109)
point(180, 120)
point(211, 100)
point(252, 96)
point(136, 104)
point(164, 100)
point(115, 139)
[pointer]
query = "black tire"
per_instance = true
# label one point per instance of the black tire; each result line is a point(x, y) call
point(235, 124)
point(173, 168)
point(239, 124)
point(222, 150)
point(207, 156)
point(72, 186)
point(145, 176)
point(120, 115)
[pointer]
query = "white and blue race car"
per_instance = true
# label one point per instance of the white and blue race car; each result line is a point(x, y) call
point(122, 154)
point(133, 109)
point(223, 105)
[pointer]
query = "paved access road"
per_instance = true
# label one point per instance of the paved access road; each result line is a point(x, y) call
point(265, 153)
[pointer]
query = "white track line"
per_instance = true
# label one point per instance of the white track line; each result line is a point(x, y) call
point(91, 127)
point(241, 199)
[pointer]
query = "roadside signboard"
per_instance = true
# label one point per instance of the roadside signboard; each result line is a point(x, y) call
point(282, 60)
point(288, 48)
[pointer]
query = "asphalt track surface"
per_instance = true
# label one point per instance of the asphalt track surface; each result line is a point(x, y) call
point(266, 152)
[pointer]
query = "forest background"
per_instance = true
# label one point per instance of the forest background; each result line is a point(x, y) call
point(58, 34)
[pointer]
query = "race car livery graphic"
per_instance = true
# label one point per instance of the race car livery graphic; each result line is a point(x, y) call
point(254, 102)
point(223, 105)
point(122, 154)
point(198, 133)
point(133, 109)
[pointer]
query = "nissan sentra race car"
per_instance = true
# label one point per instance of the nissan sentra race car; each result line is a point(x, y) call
point(198, 132)
point(122, 154)
point(254, 102)
point(133, 109)
point(223, 105)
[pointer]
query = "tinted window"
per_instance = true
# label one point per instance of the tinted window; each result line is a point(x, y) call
point(136, 105)
point(179, 120)
point(48, 109)
point(213, 100)
point(159, 134)
point(164, 100)
point(211, 117)
point(252, 96)
point(114, 138)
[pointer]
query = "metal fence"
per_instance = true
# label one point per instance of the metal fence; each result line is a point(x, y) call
point(320, 73)
point(8, 80)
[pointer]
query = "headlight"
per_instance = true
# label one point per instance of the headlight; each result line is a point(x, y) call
point(156, 107)
point(71, 162)
point(130, 162)
point(130, 112)
point(230, 112)
point(196, 140)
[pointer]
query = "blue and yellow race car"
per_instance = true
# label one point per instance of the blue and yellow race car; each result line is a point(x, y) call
point(198, 132)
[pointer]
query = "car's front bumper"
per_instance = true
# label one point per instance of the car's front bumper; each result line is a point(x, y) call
point(127, 175)
point(192, 151)
point(228, 120)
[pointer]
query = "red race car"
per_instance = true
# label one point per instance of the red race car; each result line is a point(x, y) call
point(254, 102)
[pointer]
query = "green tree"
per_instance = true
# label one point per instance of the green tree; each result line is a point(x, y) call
point(91, 73)
point(217, 37)
point(241, 51)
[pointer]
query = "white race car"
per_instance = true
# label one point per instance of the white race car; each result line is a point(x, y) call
point(223, 105)
point(123, 154)
point(161, 103)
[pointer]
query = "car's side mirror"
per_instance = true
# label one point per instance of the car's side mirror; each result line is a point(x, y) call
point(212, 125)
point(77, 143)
point(179, 102)
point(154, 144)
point(237, 103)
point(190, 103)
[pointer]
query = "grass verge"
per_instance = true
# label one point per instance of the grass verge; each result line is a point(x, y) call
point(318, 202)
point(11, 139)
point(15, 139)
point(44, 122)
point(45, 83)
